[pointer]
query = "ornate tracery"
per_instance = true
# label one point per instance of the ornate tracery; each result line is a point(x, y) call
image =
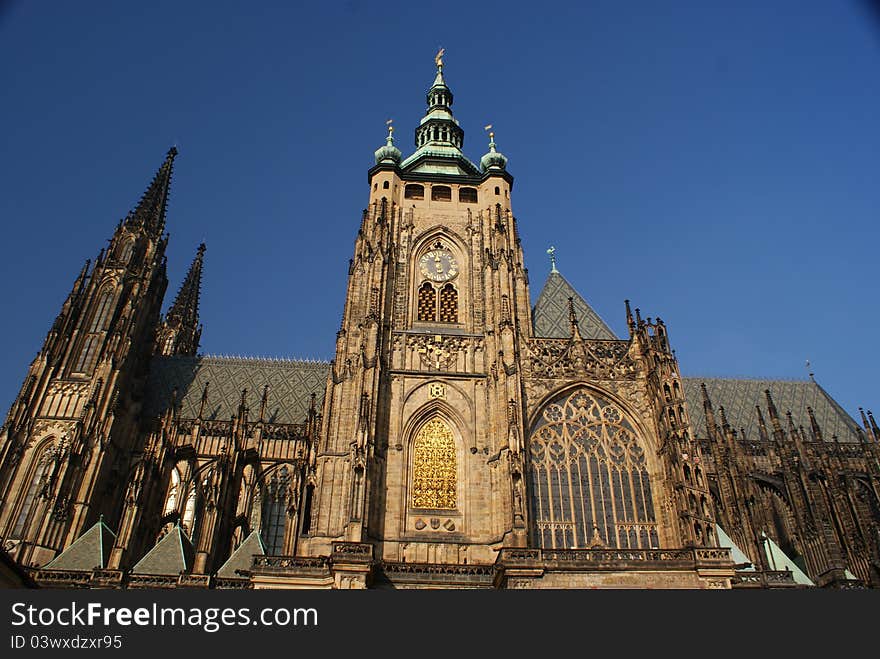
point(589, 479)
point(434, 467)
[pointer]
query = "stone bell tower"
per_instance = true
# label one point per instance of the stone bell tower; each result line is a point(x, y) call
point(422, 438)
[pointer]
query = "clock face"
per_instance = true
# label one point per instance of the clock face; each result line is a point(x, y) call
point(438, 265)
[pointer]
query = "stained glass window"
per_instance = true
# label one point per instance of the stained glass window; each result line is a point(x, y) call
point(275, 505)
point(589, 478)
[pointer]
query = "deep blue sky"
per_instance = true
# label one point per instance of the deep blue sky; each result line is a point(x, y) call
point(714, 162)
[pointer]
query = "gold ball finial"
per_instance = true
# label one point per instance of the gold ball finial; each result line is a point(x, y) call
point(390, 124)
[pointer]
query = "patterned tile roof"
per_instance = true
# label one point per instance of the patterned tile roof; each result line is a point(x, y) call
point(291, 384)
point(740, 396)
point(550, 313)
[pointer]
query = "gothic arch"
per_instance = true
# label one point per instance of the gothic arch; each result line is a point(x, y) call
point(592, 476)
point(631, 413)
point(424, 239)
point(778, 518)
point(453, 391)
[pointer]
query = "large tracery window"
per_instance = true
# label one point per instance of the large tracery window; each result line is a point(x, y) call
point(589, 477)
point(434, 467)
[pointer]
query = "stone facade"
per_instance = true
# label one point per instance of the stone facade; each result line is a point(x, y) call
point(459, 438)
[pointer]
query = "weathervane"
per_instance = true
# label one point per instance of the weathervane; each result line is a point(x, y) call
point(552, 252)
point(491, 132)
point(438, 59)
point(390, 124)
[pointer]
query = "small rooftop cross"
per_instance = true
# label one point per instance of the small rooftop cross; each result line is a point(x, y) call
point(552, 253)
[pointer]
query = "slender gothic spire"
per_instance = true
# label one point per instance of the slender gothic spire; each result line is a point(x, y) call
point(180, 333)
point(150, 211)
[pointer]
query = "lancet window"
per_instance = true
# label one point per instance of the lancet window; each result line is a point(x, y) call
point(99, 323)
point(275, 504)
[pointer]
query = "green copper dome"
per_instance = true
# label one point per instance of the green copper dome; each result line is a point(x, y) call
point(389, 152)
point(493, 159)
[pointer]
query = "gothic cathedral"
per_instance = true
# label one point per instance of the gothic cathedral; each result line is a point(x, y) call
point(460, 438)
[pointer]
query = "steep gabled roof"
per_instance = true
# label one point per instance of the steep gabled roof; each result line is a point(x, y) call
point(242, 558)
point(550, 314)
point(740, 396)
point(89, 551)
point(291, 384)
point(172, 555)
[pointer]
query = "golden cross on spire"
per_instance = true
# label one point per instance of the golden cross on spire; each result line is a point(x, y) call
point(438, 58)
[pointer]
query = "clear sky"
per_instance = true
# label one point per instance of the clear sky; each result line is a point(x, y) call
point(714, 162)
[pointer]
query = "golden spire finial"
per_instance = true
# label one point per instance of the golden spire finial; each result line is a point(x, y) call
point(438, 58)
point(491, 132)
point(390, 124)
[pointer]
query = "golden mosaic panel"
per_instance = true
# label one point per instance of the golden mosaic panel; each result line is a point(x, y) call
point(434, 467)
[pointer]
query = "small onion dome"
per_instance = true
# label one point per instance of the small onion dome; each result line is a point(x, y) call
point(493, 159)
point(389, 152)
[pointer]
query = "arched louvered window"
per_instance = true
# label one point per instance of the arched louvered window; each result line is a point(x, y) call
point(275, 504)
point(427, 309)
point(434, 467)
point(589, 477)
point(448, 304)
point(99, 324)
point(40, 472)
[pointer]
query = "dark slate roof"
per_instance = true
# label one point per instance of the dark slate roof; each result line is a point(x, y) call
point(740, 396)
point(291, 383)
point(172, 555)
point(550, 314)
point(242, 558)
point(90, 550)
